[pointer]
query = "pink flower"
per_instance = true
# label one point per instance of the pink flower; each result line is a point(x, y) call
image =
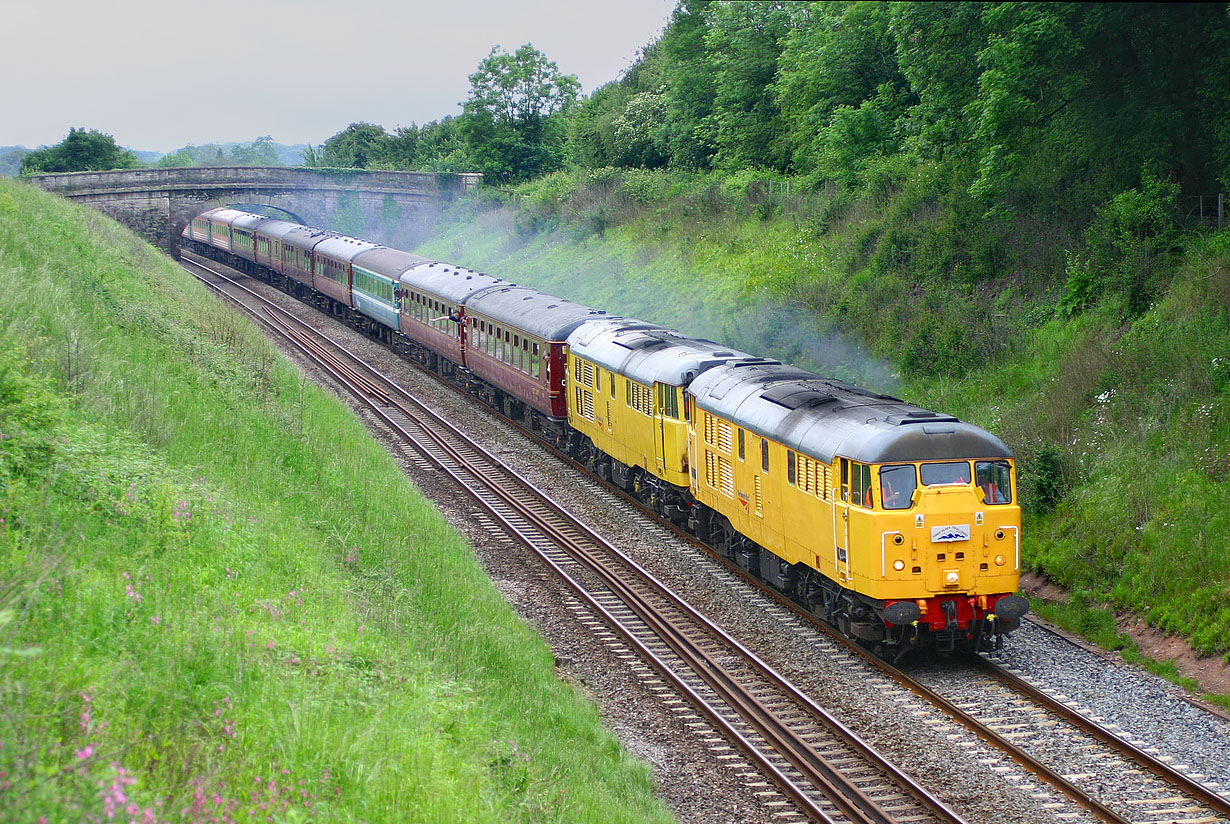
point(86, 753)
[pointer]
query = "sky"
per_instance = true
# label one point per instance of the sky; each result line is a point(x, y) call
point(161, 74)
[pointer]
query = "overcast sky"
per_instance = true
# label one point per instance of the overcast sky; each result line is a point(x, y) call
point(160, 74)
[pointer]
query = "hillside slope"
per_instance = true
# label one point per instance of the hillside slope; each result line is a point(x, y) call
point(1119, 420)
point(204, 614)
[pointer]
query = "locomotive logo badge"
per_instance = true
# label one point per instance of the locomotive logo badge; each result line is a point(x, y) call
point(948, 534)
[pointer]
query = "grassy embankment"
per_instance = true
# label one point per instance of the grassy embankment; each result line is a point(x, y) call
point(1120, 426)
point(220, 599)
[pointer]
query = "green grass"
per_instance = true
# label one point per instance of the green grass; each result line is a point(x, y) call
point(221, 600)
point(1126, 418)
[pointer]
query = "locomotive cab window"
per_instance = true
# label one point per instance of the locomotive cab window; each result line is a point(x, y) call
point(897, 485)
point(995, 480)
point(949, 473)
point(668, 401)
point(856, 483)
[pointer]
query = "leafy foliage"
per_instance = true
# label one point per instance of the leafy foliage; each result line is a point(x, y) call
point(1127, 243)
point(358, 146)
point(80, 151)
point(509, 122)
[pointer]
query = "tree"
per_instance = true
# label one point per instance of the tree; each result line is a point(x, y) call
point(81, 151)
point(358, 146)
point(176, 159)
point(509, 120)
point(690, 89)
point(744, 41)
point(260, 152)
point(840, 90)
point(441, 148)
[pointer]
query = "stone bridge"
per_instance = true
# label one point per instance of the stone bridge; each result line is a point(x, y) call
point(394, 208)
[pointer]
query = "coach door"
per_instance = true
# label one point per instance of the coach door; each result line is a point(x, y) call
point(841, 524)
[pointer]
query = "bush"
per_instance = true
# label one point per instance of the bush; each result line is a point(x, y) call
point(1127, 244)
point(1046, 484)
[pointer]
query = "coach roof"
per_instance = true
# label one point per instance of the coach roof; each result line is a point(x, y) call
point(543, 316)
point(387, 261)
point(451, 283)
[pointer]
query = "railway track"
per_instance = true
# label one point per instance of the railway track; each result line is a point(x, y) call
point(1112, 777)
point(821, 767)
point(1099, 771)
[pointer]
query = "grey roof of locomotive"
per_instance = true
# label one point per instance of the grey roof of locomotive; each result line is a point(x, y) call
point(543, 316)
point(824, 418)
point(646, 352)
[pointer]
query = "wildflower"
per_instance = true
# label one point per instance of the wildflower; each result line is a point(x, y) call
point(83, 754)
point(155, 620)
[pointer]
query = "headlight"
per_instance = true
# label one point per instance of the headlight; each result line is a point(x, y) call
point(952, 578)
point(898, 565)
point(1000, 560)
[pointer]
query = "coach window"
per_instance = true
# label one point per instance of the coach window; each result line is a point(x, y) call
point(537, 362)
point(742, 438)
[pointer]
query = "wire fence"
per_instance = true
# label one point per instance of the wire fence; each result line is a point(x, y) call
point(1204, 210)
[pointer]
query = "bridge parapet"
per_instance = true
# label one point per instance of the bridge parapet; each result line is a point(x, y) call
point(394, 208)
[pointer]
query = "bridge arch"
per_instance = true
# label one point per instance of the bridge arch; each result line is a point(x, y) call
point(395, 208)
